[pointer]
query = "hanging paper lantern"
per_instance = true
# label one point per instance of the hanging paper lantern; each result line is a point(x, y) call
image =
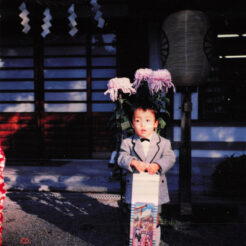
point(24, 16)
point(186, 60)
point(72, 21)
point(47, 24)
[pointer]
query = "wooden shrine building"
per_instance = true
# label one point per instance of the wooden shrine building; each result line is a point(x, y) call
point(53, 78)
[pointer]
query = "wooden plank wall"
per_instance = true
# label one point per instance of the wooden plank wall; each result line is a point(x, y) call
point(103, 139)
point(19, 135)
point(66, 135)
point(62, 136)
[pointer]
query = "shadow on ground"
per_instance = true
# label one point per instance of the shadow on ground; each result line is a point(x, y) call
point(64, 219)
point(210, 225)
point(48, 218)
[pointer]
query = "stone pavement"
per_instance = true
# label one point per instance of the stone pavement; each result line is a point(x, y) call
point(61, 219)
point(94, 219)
point(61, 175)
point(74, 202)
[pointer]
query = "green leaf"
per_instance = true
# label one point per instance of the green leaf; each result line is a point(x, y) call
point(165, 99)
point(125, 118)
point(130, 131)
point(121, 101)
point(165, 111)
point(128, 102)
point(162, 123)
point(119, 114)
point(125, 125)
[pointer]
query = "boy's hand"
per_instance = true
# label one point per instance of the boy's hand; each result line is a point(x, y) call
point(139, 165)
point(153, 168)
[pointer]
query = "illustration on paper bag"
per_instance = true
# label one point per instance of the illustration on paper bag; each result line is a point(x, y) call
point(143, 223)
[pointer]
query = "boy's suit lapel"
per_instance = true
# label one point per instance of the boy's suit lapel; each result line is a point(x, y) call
point(138, 148)
point(153, 148)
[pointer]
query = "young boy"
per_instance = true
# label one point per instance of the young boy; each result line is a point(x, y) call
point(146, 151)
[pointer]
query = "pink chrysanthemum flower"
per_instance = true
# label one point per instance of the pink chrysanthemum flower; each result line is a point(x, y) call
point(160, 80)
point(116, 84)
point(142, 74)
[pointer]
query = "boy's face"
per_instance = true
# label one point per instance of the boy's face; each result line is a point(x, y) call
point(144, 122)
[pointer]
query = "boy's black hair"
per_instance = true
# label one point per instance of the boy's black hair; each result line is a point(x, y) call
point(145, 105)
point(143, 100)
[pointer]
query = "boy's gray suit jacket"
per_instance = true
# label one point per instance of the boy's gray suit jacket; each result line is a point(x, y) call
point(160, 152)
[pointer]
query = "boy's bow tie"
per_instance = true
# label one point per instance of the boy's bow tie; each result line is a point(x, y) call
point(144, 139)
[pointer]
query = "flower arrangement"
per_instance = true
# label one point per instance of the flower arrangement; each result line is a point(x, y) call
point(148, 86)
point(157, 80)
point(120, 90)
point(116, 84)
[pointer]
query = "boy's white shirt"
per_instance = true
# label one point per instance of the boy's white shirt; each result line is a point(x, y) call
point(146, 145)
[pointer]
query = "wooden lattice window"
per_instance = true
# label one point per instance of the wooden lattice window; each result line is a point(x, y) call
point(222, 97)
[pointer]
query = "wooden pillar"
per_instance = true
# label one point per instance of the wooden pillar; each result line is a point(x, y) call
point(89, 94)
point(185, 154)
point(38, 62)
